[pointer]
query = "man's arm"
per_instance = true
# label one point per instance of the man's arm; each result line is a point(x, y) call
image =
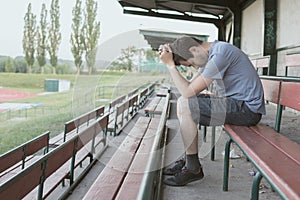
point(187, 89)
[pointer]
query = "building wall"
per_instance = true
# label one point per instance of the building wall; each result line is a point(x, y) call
point(288, 33)
point(252, 29)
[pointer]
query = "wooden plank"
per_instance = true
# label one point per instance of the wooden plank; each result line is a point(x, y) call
point(99, 111)
point(290, 95)
point(287, 146)
point(131, 184)
point(152, 105)
point(261, 62)
point(269, 158)
point(37, 144)
point(70, 126)
point(19, 186)
point(110, 179)
point(59, 157)
point(292, 60)
point(271, 90)
point(16, 169)
point(160, 106)
point(11, 158)
point(162, 92)
point(16, 155)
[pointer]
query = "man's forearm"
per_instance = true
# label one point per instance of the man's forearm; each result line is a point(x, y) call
point(181, 83)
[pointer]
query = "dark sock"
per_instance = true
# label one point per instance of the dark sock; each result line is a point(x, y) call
point(192, 163)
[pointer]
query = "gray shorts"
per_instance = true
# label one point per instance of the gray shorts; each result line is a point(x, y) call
point(214, 111)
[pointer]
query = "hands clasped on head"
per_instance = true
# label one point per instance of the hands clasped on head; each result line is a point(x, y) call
point(165, 54)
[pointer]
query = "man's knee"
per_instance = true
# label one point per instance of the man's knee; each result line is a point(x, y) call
point(183, 106)
point(184, 110)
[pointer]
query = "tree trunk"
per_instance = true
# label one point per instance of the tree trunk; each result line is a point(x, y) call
point(54, 70)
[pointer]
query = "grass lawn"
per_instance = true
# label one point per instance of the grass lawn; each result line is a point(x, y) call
point(56, 108)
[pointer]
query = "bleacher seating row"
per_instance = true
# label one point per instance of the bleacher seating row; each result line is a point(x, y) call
point(59, 164)
point(125, 175)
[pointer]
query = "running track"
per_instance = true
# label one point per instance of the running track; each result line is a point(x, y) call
point(10, 95)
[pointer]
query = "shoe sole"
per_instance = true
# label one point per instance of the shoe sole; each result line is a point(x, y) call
point(183, 184)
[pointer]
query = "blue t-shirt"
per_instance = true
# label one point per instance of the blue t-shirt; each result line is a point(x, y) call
point(234, 75)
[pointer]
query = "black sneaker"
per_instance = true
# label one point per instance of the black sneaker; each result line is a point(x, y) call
point(184, 177)
point(175, 168)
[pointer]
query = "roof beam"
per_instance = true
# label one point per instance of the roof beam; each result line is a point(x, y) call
point(171, 16)
point(220, 3)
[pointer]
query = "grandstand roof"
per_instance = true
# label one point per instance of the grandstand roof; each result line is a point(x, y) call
point(156, 37)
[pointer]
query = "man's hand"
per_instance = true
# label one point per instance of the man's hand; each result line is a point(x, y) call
point(166, 55)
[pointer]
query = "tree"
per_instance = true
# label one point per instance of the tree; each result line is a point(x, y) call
point(42, 39)
point(9, 65)
point(29, 37)
point(20, 65)
point(54, 36)
point(127, 59)
point(91, 32)
point(77, 47)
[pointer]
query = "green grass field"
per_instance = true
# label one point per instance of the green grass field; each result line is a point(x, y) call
point(56, 108)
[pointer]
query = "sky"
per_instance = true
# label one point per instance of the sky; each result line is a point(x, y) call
point(113, 23)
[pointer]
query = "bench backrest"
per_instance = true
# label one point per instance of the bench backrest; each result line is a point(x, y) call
point(85, 118)
point(261, 62)
point(144, 92)
point(133, 101)
point(132, 92)
point(112, 105)
point(121, 109)
point(38, 172)
point(290, 95)
point(19, 153)
point(291, 60)
point(271, 90)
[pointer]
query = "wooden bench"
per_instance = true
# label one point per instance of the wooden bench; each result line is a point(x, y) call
point(39, 179)
point(123, 176)
point(276, 158)
point(15, 160)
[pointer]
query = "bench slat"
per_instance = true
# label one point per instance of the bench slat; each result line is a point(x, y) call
point(271, 90)
point(290, 95)
point(292, 60)
point(110, 179)
point(19, 187)
point(131, 184)
point(287, 146)
point(16, 155)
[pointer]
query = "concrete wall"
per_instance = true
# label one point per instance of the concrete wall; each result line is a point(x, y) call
point(252, 29)
point(288, 31)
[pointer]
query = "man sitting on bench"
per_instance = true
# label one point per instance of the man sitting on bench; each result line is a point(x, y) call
point(240, 99)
